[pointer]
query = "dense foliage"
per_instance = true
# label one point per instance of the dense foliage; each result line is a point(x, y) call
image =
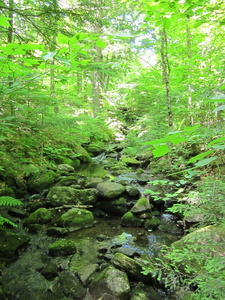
point(150, 73)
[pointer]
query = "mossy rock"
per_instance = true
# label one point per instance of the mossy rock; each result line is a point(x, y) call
point(42, 180)
point(142, 205)
point(130, 161)
point(62, 247)
point(112, 282)
point(67, 181)
point(75, 163)
point(129, 220)
point(66, 195)
point(40, 216)
point(110, 189)
point(10, 243)
point(75, 219)
point(152, 223)
point(82, 154)
point(144, 292)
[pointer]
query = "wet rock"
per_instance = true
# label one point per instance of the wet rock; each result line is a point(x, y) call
point(110, 189)
point(93, 182)
point(68, 285)
point(41, 179)
point(65, 195)
point(144, 292)
point(152, 223)
point(132, 191)
point(40, 216)
point(75, 219)
point(16, 212)
point(50, 271)
point(10, 243)
point(142, 205)
point(86, 272)
point(129, 220)
point(56, 231)
point(131, 267)
point(126, 251)
point(67, 181)
point(65, 168)
point(112, 282)
point(62, 247)
point(115, 207)
point(169, 224)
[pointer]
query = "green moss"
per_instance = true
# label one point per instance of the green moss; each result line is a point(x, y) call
point(129, 220)
point(62, 247)
point(151, 223)
point(40, 216)
point(76, 218)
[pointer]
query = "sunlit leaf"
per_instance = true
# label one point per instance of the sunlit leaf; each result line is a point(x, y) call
point(48, 55)
point(101, 44)
point(4, 21)
point(221, 107)
point(200, 156)
point(160, 150)
point(205, 162)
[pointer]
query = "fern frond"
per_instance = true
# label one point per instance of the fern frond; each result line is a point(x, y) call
point(7, 221)
point(9, 201)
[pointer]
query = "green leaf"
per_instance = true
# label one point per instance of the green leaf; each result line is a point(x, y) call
point(62, 39)
point(4, 21)
point(48, 55)
point(205, 162)
point(218, 140)
point(160, 151)
point(166, 23)
point(65, 61)
point(178, 140)
point(100, 44)
point(221, 107)
point(219, 147)
point(199, 156)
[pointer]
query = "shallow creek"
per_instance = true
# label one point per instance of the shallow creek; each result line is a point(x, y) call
point(23, 278)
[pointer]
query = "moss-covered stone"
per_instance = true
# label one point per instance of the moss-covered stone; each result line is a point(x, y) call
point(152, 223)
point(129, 220)
point(110, 189)
point(40, 216)
point(41, 179)
point(67, 181)
point(144, 292)
point(10, 243)
point(66, 195)
point(82, 154)
point(75, 219)
point(112, 282)
point(142, 205)
point(62, 247)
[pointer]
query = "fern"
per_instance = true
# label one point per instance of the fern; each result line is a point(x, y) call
point(7, 221)
point(9, 201)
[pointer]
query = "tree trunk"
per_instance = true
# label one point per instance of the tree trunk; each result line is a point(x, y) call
point(166, 74)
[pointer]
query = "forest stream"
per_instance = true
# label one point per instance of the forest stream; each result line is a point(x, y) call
point(40, 273)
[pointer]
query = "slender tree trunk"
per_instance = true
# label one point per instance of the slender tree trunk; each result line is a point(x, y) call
point(189, 55)
point(10, 40)
point(166, 74)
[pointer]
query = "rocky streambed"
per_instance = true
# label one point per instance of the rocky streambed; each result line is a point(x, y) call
point(88, 236)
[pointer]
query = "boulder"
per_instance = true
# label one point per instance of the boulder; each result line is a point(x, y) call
point(144, 292)
point(110, 189)
point(132, 267)
point(68, 286)
point(66, 195)
point(40, 216)
point(81, 154)
point(142, 205)
point(62, 247)
point(75, 219)
point(65, 168)
point(86, 272)
point(10, 243)
point(115, 207)
point(129, 220)
point(41, 179)
point(111, 282)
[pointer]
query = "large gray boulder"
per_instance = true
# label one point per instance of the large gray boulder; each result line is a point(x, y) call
point(66, 195)
point(110, 189)
point(111, 282)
